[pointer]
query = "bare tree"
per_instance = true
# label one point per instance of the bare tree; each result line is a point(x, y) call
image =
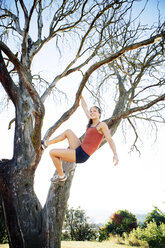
point(140, 76)
point(102, 32)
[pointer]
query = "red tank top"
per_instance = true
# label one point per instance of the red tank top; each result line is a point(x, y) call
point(91, 140)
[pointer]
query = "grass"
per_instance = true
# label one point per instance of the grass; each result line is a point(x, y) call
point(86, 244)
point(89, 244)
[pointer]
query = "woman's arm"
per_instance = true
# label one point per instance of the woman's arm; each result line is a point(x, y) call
point(105, 130)
point(84, 106)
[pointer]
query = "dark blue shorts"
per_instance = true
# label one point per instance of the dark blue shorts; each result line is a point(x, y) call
point(81, 156)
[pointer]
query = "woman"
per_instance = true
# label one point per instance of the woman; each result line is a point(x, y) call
point(79, 152)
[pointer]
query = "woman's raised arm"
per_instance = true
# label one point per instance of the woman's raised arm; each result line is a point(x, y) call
point(84, 106)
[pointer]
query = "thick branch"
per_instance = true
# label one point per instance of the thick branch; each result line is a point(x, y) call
point(25, 78)
point(126, 113)
point(26, 28)
point(39, 21)
point(137, 45)
point(7, 82)
point(64, 117)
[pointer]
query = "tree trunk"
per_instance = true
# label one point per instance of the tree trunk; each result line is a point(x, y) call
point(28, 225)
point(21, 208)
point(54, 209)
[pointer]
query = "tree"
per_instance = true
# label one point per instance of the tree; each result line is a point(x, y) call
point(120, 222)
point(76, 224)
point(155, 216)
point(26, 29)
point(3, 233)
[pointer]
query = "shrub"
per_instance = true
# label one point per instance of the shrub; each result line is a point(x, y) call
point(120, 222)
point(123, 221)
point(105, 231)
point(65, 236)
point(132, 239)
point(152, 234)
point(156, 215)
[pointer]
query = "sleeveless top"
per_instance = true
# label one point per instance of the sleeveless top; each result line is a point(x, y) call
point(92, 140)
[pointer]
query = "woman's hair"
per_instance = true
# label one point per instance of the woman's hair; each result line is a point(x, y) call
point(90, 120)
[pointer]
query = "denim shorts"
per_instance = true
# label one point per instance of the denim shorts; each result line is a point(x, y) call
point(81, 156)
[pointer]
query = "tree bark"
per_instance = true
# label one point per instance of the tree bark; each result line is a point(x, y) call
point(21, 208)
point(28, 225)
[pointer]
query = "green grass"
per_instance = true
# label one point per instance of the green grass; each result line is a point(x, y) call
point(86, 244)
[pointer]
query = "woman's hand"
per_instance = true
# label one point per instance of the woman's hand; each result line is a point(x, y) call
point(105, 130)
point(115, 159)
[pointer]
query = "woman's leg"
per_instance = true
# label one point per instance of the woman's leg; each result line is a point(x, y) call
point(73, 140)
point(64, 154)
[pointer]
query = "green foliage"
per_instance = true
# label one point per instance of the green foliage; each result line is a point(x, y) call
point(120, 222)
point(156, 215)
point(76, 226)
point(3, 233)
point(153, 236)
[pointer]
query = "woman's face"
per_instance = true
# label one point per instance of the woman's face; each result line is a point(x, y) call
point(94, 113)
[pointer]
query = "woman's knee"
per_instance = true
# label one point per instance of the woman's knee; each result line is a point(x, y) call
point(68, 133)
point(52, 153)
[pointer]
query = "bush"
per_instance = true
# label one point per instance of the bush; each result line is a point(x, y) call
point(105, 231)
point(65, 236)
point(76, 226)
point(120, 222)
point(156, 215)
point(152, 235)
point(123, 221)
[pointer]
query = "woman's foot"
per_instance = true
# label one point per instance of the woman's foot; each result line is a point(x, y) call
point(57, 179)
point(43, 144)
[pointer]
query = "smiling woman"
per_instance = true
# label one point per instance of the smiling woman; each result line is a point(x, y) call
point(80, 152)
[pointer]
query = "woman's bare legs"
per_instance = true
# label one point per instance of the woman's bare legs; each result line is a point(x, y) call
point(73, 140)
point(64, 154)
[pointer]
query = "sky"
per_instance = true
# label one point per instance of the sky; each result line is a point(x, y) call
point(136, 183)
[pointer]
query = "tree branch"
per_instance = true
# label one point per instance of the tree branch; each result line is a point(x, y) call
point(26, 29)
point(7, 82)
point(15, 19)
point(25, 78)
point(134, 46)
point(95, 66)
point(126, 113)
point(136, 137)
point(39, 20)
point(109, 59)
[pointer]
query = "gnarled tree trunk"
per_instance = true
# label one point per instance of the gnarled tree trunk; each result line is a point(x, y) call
point(28, 225)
